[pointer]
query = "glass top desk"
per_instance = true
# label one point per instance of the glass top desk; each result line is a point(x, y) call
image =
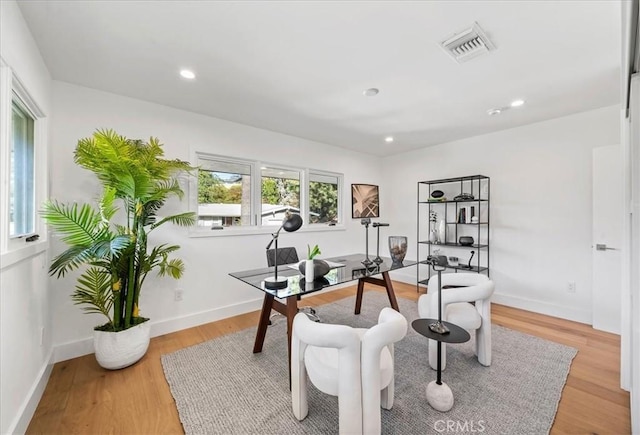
point(352, 270)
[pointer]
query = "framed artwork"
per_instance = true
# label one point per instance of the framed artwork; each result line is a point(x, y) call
point(365, 202)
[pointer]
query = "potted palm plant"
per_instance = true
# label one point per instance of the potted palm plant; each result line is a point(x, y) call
point(108, 241)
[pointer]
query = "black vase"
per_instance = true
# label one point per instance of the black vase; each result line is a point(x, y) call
point(465, 240)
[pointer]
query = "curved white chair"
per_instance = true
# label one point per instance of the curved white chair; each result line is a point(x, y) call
point(354, 364)
point(457, 309)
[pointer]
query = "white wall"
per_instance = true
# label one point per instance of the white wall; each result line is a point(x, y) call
point(631, 334)
point(24, 297)
point(540, 204)
point(209, 292)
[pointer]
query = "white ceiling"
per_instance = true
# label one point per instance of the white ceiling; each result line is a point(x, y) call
point(300, 67)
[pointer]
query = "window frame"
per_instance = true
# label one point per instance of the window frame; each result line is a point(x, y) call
point(256, 226)
point(11, 88)
point(340, 183)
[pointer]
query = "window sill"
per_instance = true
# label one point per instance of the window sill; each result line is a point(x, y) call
point(262, 230)
point(31, 249)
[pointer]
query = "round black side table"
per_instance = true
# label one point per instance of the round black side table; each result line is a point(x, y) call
point(439, 395)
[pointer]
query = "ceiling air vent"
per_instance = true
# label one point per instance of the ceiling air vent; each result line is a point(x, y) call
point(468, 44)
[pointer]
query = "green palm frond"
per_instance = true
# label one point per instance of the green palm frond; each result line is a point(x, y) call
point(94, 291)
point(111, 248)
point(70, 259)
point(183, 219)
point(160, 252)
point(80, 226)
point(107, 206)
point(168, 188)
point(173, 268)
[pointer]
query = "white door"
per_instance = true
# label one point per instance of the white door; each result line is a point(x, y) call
point(608, 215)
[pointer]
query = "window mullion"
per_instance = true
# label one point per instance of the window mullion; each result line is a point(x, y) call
point(304, 195)
point(257, 194)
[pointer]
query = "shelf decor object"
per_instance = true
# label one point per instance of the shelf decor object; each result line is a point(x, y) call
point(465, 240)
point(453, 213)
point(442, 231)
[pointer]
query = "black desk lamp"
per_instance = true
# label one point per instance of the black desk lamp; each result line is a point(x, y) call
point(290, 223)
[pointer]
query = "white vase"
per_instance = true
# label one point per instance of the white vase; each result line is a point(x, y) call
point(117, 350)
point(308, 271)
point(433, 236)
point(442, 231)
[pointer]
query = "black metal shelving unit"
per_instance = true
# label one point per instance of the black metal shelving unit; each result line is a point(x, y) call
point(477, 185)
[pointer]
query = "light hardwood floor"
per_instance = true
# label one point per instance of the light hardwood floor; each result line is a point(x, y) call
point(83, 398)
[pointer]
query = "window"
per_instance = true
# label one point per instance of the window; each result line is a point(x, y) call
point(235, 194)
point(23, 167)
point(323, 198)
point(280, 192)
point(224, 193)
point(21, 172)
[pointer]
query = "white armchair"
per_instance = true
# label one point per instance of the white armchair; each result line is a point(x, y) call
point(354, 364)
point(457, 309)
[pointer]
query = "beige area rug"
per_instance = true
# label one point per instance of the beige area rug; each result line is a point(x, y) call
point(221, 387)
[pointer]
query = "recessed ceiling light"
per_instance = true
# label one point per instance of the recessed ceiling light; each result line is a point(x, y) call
point(371, 92)
point(187, 74)
point(517, 103)
point(492, 112)
point(388, 139)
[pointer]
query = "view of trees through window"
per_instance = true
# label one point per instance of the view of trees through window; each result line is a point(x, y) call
point(219, 188)
point(323, 202)
point(280, 191)
point(225, 192)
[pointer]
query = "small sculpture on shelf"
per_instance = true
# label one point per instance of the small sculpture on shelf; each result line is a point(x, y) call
point(433, 233)
point(437, 196)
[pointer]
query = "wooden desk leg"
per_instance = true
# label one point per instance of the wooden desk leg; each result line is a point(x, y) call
point(392, 295)
point(359, 296)
point(263, 322)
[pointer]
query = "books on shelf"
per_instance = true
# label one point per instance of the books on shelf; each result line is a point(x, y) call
point(465, 214)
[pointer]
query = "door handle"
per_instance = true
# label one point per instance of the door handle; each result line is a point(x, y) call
point(603, 247)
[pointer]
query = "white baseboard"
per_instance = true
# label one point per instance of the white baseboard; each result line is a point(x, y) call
point(74, 349)
point(577, 315)
point(167, 326)
point(583, 316)
point(21, 422)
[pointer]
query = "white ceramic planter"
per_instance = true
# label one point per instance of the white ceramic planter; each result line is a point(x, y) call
point(117, 350)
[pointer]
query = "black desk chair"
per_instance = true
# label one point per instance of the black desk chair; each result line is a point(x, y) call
point(289, 255)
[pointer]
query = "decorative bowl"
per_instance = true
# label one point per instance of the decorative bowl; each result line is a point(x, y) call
point(465, 240)
point(320, 268)
point(437, 194)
